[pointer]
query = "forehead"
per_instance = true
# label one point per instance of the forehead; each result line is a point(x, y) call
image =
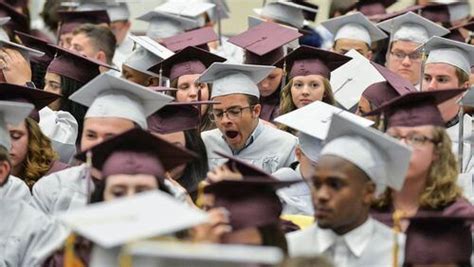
point(188, 78)
point(350, 43)
point(332, 163)
point(230, 100)
point(52, 77)
point(131, 178)
point(307, 78)
point(440, 69)
point(107, 124)
point(406, 46)
point(424, 129)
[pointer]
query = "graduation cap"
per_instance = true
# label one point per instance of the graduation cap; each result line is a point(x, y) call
point(355, 27)
point(308, 15)
point(137, 151)
point(442, 50)
point(438, 13)
point(177, 117)
point(459, 10)
point(285, 12)
point(12, 113)
point(312, 134)
point(163, 25)
point(191, 9)
point(40, 45)
point(383, 17)
point(117, 222)
point(190, 60)
point(199, 38)
point(220, 11)
point(117, 11)
point(437, 239)
point(308, 60)
point(70, 20)
point(148, 54)
point(248, 171)
point(412, 27)
point(263, 44)
point(18, 21)
point(229, 79)
point(416, 108)
point(18, 93)
point(74, 65)
point(456, 34)
point(110, 96)
point(372, 7)
point(26, 52)
point(382, 158)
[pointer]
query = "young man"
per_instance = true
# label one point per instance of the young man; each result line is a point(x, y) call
point(240, 131)
point(355, 163)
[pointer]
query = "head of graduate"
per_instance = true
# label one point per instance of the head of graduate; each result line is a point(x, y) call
point(234, 87)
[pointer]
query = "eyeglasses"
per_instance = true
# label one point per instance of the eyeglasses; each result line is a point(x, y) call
point(414, 139)
point(231, 113)
point(402, 55)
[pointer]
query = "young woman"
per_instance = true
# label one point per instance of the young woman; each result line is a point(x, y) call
point(183, 70)
point(308, 71)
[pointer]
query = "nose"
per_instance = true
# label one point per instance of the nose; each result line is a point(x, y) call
point(406, 61)
point(321, 195)
point(193, 91)
point(432, 85)
point(305, 91)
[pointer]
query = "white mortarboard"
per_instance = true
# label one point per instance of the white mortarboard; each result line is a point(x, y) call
point(220, 11)
point(117, 222)
point(163, 25)
point(187, 8)
point(13, 113)
point(115, 9)
point(354, 26)
point(186, 254)
point(62, 129)
point(412, 27)
point(346, 82)
point(442, 50)
point(148, 54)
point(383, 159)
point(110, 96)
point(459, 10)
point(285, 12)
point(229, 79)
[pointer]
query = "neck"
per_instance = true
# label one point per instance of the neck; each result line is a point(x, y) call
point(448, 110)
point(17, 170)
point(344, 229)
point(407, 199)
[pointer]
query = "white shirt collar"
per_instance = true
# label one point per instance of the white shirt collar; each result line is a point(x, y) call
point(357, 239)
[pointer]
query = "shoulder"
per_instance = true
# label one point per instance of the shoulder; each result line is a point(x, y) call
point(303, 234)
point(15, 188)
point(302, 242)
point(57, 166)
point(211, 134)
point(279, 134)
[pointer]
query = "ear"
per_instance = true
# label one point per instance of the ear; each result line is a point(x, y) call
point(256, 110)
point(369, 55)
point(298, 153)
point(369, 192)
point(5, 169)
point(101, 56)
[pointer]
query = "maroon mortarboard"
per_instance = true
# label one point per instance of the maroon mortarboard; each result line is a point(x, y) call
point(74, 65)
point(382, 17)
point(17, 3)
point(190, 60)
point(40, 45)
point(372, 7)
point(306, 60)
point(18, 20)
point(416, 108)
point(199, 38)
point(436, 239)
point(138, 141)
point(263, 43)
point(39, 98)
point(70, 20)
point(455, 33)
point(438, 13)
point(177, 117)
point(246, 169)
point(308, 15)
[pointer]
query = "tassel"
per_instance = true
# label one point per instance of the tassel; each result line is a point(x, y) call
point(125, 260)
point(200, 195)
point(397, 216)
point(70, 258)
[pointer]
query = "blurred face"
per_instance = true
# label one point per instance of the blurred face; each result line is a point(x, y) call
point(341, 194)
point(178, 139)
point(120, 29)
point(403, 60)
point(19, 139)
point(420, 140)
point(239, 120)
point(52, 84)
point(84, 46)
point(307, 89)
point(247, 236)
point(127, 185)
point(270, 84)
point(189, 90)
point(365, 107)
point(306, 164)
point(97, 130)
point(137, 76)
point(342, 46)
point(65, 40)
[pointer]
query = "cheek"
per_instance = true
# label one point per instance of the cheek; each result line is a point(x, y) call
point(205, 93)
point(317, 93)
point(421, 160)
point(181, 95)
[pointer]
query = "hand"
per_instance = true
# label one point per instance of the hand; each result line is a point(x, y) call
point(223, 173)
point(212, 231)
point(15, 67)
point(178, 191)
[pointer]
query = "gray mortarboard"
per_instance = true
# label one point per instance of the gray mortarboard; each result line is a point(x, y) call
point(312, 134)
point(308, 60)
point(147, 54)
point(308, 15)
point(285, 12)
point(442, 50)
point(184, 8)
point(229, 79)
point(346, 82)
point(383, 159)
point(372, 7)
point(163, 25)
point(220, 11)
point(434, 239)
point(121, 221)
point(468, 98)
point(12, 113)
point(355, 27)
point(457, 9)
point(116, 10)
point(3, 33)
point(263, 44)
point(110, 96)
point(190, 60)
point(199, 38)
point(412, 27)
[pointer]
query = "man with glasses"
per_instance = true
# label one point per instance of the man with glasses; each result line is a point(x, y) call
point(407, 32)
point(240, 131)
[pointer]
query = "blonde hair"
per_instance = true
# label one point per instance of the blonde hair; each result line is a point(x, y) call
point(287, 105)
point(441, 188)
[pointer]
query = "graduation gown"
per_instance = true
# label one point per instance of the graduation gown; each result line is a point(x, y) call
point(231, 52)
point(122, 52)
point(370, 244)
point(270, 106)
point(267, 148)
point(453, 133)
point(296, 199)
point(27, 236)
point(15, 188)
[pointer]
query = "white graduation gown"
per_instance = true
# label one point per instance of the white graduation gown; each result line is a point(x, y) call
point(122, 52)
point(15, 188)
point(453, 133)
point(231, 52)
point(267, 148)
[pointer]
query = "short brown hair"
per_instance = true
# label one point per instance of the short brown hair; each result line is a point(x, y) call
point(102, 38)
point(462, 76)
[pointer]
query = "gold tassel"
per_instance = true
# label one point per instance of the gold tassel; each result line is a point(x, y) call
point(200, 195)
point(397, 216)
point(70, 259)
point(125, 259)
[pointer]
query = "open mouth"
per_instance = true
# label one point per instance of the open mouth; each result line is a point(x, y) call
point(231, 134)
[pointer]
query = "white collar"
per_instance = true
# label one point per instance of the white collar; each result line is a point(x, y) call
point(357, 239)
